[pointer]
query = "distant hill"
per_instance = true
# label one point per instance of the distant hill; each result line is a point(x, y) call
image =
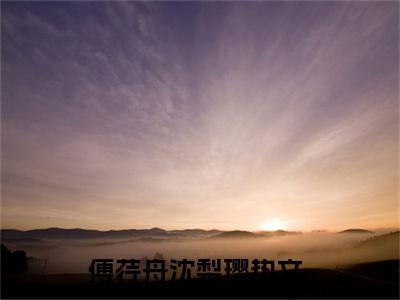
point(357, 230)
point(248, 234)
point(278, 232)
point(236, 234)
point(131, 234)
point(193, 233)
point(77, 233)
point(392, 238)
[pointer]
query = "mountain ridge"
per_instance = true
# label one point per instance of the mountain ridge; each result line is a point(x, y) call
point(79, 233)
point(355, 230)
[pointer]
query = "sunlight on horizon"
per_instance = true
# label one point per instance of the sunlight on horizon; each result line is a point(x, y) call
point(272, 225)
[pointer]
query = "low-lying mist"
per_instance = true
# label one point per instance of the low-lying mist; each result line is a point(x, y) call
point(320, 249)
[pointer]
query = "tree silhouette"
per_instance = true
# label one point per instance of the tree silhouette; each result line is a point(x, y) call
point(13, 262)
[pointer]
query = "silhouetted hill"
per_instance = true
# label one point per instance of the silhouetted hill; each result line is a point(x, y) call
point(77, 233)
point(278, 232)
point(236, 234)
point(193, 232)
point(391, 238)
point(356, 230)
point(248, 234)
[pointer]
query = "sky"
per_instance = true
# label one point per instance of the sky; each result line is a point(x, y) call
point(227, 115)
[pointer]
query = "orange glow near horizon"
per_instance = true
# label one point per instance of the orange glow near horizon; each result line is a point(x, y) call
point(273, 225)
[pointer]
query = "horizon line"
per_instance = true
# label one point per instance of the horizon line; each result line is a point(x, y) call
point(214, 229)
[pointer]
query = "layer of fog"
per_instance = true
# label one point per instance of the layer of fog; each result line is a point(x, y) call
point(320, 249)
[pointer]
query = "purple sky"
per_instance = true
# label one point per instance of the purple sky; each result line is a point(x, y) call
point(216, 115)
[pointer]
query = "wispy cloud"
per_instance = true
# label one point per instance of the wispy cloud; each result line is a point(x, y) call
point(127, 114)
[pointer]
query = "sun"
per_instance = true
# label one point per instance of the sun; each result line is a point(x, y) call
point(272, 225)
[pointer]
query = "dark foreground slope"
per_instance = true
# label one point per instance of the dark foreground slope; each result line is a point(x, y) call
point(370, 280)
